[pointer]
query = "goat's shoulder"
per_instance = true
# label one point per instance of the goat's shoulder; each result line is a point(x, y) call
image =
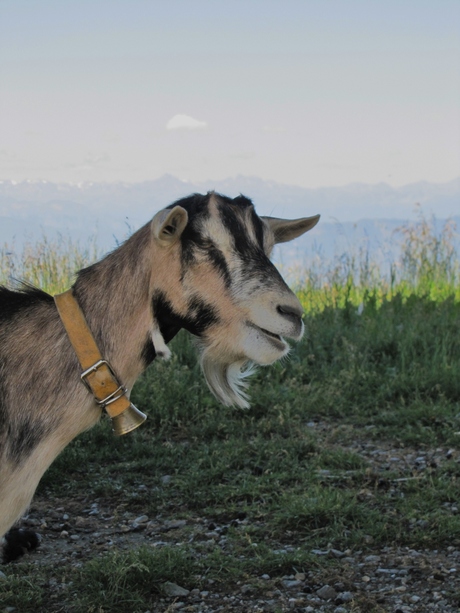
point(16, 302)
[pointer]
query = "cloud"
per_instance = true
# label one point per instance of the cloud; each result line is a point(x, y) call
point(185, 122)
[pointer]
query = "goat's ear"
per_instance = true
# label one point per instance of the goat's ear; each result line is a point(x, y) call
point(285, 230)
point(168, 224)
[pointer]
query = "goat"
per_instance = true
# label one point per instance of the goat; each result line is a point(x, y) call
point(201, 264)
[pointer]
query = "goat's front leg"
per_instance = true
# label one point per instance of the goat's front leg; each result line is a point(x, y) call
point(17, 542)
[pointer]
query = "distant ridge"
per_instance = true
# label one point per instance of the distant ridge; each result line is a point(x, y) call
point(346, 203)
point(111, 211)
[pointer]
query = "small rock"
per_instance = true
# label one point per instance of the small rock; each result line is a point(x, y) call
point(415, 599)
point(174, 524)
point(320, 552)
point(345, 596)
point(326, 592)
point(136, 527)
point(291, 583)
point(141, 520)
point(2, 575)
point(265, 577)
point(165, 479)
point(172, 589)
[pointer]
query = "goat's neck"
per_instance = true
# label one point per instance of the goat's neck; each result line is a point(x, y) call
point(115, 298)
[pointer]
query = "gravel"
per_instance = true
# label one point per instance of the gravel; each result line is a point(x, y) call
point(383, 580)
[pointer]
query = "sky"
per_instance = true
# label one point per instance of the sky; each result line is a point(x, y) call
point(304, 92)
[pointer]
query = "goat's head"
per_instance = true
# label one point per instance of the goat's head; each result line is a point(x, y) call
point(215, 279)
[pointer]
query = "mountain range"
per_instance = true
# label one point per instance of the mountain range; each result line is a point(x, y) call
point(350, 215)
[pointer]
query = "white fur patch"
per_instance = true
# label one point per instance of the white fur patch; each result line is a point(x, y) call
point(161, 349)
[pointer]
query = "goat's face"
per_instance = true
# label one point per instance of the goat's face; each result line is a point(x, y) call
point(217, 282)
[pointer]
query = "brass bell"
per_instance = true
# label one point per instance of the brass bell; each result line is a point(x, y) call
point(130, 419)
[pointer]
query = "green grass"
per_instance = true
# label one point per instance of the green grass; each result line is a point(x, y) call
point(379, 364)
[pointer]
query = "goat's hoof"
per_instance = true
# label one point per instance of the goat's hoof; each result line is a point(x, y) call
point(19, 541)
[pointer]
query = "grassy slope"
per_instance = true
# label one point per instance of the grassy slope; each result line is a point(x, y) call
point(377, 365)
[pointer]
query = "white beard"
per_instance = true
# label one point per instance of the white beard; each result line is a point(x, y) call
point(227, 381)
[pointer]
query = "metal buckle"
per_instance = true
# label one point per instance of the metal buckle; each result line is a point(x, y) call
point(112, 397)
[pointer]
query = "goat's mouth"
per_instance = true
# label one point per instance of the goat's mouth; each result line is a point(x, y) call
point(276, 340)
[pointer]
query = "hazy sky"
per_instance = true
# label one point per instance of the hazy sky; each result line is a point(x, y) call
point(306, 92)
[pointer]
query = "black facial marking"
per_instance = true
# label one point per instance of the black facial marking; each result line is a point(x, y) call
point(196, 205)
point(218, 259)
point(234, 214)
point(235, 227)
point(168, 322)
point(198, 318)
point(257, 265)
point(191, 238)
point(258, 228)
point(240, 201)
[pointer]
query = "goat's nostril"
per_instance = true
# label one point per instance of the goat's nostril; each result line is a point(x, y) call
point(290, 312)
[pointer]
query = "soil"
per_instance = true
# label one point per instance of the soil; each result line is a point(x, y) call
point(381, 580)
